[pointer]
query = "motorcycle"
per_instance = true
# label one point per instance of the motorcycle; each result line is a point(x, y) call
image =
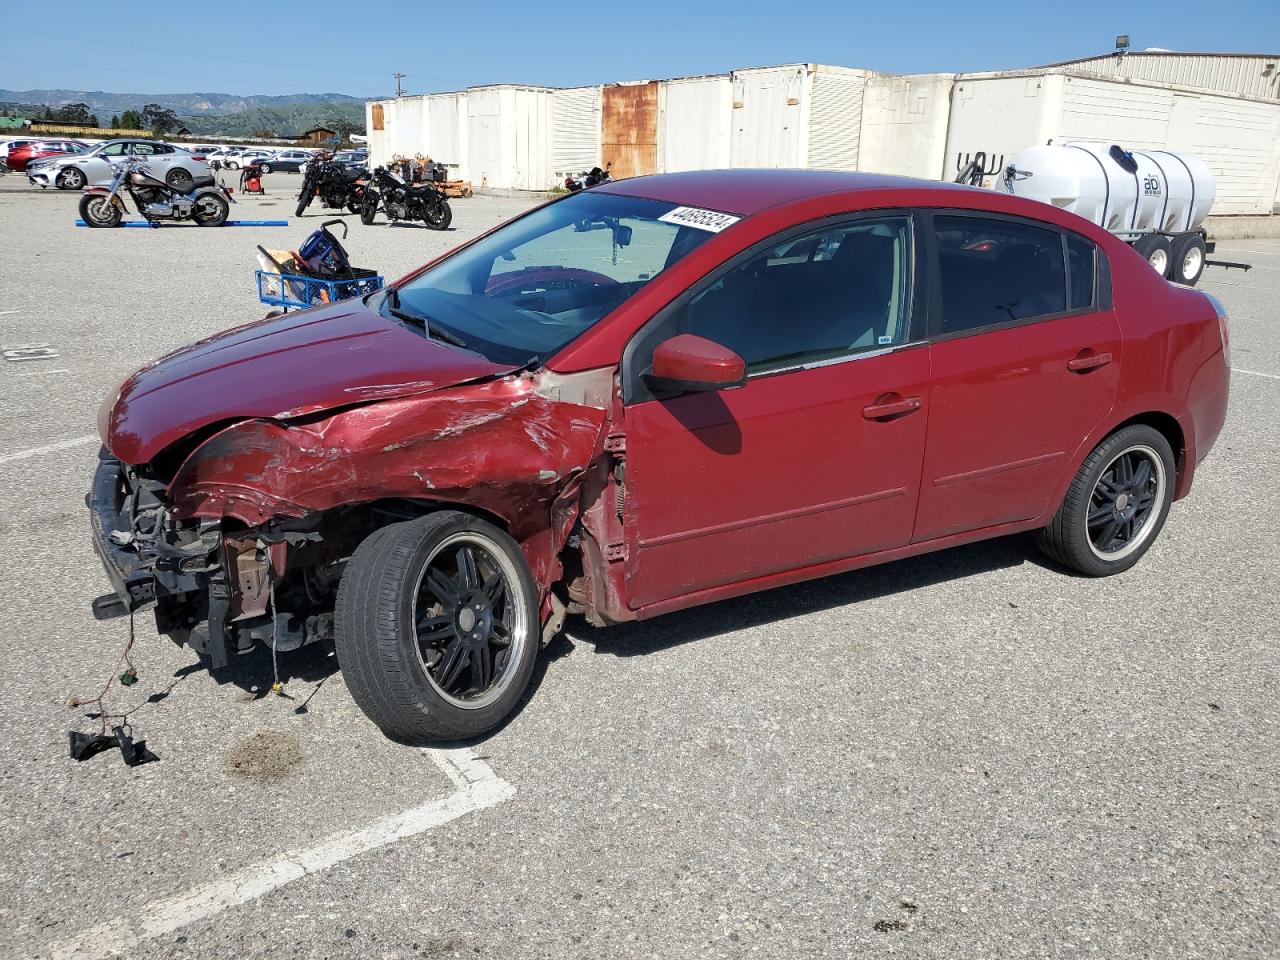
point(405, 201)
point(205, 202)
point(337, 185)
point(592, 178)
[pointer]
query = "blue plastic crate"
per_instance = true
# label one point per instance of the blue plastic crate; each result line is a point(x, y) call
point(290, 290)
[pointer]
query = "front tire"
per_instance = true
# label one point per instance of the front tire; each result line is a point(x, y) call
point(265, 168)
point(212, 210)
point(436, 627)
point(304, 200)
point(1116, 506)
point(71, 179)
point(369, 209)
point(97, 211)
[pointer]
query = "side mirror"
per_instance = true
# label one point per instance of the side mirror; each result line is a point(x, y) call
point(688, 363)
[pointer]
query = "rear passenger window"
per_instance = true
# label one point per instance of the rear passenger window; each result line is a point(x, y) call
point(824, 295)
point(1080, 253)
point(997, 271)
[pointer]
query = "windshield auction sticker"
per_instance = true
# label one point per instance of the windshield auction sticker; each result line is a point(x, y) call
point(710, 220)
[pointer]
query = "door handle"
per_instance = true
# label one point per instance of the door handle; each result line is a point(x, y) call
point(1088, 361)
point(891, 408)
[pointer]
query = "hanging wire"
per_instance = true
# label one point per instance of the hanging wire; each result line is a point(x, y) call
point(122, 660)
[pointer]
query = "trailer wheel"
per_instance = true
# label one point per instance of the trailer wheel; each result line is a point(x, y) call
point(1186, 258)
point(1155, 249)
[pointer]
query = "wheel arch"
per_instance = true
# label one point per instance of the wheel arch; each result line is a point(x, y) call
point(1157, 413)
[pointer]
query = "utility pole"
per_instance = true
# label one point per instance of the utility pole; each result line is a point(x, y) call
point(399, 77)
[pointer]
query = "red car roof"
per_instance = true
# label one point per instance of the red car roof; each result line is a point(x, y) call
point(746, 192)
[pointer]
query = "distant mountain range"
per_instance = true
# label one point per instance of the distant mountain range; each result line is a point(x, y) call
point(184, 104)
point(209, 114)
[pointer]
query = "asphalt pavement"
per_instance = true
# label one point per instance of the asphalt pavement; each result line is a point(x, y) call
point(967, 755)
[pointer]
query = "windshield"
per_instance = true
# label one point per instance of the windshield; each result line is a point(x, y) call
point(528, 289)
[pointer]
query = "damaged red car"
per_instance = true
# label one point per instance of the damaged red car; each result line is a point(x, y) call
point(653, 394)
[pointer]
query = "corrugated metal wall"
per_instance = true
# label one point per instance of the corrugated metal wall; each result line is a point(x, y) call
point(575, 130)
point(446, 129)
point(695, 118)
point(629, 128)
point(1255, 76)
point(835, 119)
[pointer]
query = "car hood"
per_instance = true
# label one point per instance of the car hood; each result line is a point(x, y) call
point(281, 368)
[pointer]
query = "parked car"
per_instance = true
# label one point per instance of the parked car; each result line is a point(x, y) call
point(177, 167)
point(286, 161)
point(20, 156)
point(652, 394)
point(348, 158)
point(245, 157)
point(13, 143)
point(218, 158)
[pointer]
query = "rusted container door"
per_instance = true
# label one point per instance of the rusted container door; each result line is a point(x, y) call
point(629, 128)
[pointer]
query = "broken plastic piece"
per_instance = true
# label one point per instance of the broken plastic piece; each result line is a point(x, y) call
point(134, 753)
point(129, 677)
point(86, 745)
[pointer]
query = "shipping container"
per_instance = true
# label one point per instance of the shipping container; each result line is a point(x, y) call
point(629, 128)
point(509, 137)
point(904, 125)
point(695, 123)
point(797, 115)
point(575, 130)
point(1237, 137)
point(446, 132)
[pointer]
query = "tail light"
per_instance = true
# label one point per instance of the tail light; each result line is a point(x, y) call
point(200, 158)
point(1224, 325)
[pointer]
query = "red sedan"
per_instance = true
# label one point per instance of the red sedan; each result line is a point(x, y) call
point(19, 157)
point(656, 393)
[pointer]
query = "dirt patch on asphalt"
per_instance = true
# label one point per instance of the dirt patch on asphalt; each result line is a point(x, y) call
point(265, 756)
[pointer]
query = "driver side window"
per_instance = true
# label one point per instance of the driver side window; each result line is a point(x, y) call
point(833, 292)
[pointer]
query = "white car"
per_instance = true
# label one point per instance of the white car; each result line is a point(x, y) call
point(178, 168)
point(246, 157)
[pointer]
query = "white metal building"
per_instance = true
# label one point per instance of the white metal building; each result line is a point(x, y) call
point(1250, 74)
point(1223, 108)
point(575, 130)
point(904, 125)
point(1238, 137)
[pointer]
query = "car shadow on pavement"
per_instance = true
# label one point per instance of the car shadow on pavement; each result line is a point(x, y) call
point(813, 596)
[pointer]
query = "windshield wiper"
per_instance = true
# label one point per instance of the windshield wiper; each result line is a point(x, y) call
point(419, 320)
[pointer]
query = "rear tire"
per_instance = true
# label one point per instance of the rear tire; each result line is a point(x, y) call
point(97, 211)
point(1155, 249)
point(304, 200)
point(1116, 505)
point(1186, 258)
point(179, 180)
point(417, 632)
point(438, 216)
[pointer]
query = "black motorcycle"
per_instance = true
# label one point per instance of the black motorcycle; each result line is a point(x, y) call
point(405, 201)
point(205, 201)
point(592, 178)
point(338, 185)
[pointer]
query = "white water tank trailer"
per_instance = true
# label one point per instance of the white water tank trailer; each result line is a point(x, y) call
point(1154, 200)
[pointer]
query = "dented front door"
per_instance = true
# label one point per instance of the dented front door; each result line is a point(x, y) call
point(790, 471)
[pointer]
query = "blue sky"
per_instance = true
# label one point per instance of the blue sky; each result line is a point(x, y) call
point(346, 47)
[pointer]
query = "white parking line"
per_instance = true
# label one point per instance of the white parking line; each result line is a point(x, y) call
point(478, 787)
point(1256, 373)
point(48, 448)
